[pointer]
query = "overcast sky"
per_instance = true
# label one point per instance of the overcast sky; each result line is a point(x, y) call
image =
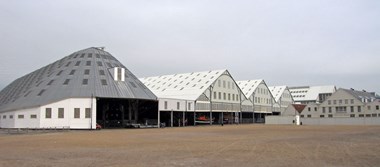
point(284, 42)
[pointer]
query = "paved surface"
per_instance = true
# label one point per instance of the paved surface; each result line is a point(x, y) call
point(235, 145)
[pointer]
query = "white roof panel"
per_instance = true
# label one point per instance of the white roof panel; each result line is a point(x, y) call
point(277, 91)
point(249, 86)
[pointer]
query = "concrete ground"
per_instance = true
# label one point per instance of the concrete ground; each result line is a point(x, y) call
point(233, 145)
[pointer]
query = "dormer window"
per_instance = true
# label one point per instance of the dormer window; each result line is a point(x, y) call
point(119, 74)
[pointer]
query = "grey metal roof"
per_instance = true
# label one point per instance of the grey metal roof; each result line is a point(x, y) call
point(360, 94)
point(84, 73)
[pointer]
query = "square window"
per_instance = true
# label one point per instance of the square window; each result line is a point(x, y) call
point(85, 82)
point(104, 82)
point(88, 63)
point(86, 72)
point(99, 63)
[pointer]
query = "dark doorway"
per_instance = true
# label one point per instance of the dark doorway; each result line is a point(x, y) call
point(125, 113)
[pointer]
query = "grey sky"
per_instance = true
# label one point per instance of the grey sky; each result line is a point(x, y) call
point(285, 42)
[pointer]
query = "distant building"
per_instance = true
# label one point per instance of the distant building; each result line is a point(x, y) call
point(209, 97)
point(260, 96)
point(345, 103)
point(77, 92)
point(282, 98)
point(311, 94)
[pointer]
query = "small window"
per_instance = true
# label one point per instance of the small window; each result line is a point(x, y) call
point(10, 116)
point(361, 115)
point(88, 63)
point(374, 115)
point(178, 105)
point(33, 116)
point(61, 112)
point(377, 107)
point(68, 63)
point(48, 113)
point(101, 72)
point(97, 56)
point(220, 95)
point(214, 95)
point(50, 82)
point(85, 82)
point(20, 116)
point(76, 112)
point(66, 82)
point(81, 56)
point(99, 63)
point(88, 113)
point(41, 92)
point(4, 117)
point(359, 109)
point(315, 109)
point(109, 65)
point(77, 63)
point(59, 73)
point(72, 72)
point(322, 116)
point(104, 82)
point(133, 84)
point(330, 115)
point(165, 105)
point(352, 101)
point(352, 115)
point(309, 116)
point(86, 72)
point(189, 106)
point(90, 55)
point(224, 96)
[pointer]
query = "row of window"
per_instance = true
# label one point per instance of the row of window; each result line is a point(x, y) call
point(351, 115)
point(226, 84)
point(340, 101)
point(20, 116)
point(226, 96)
point(178, 105)
point(61, 113)
point(262, 100)
point(343, 109)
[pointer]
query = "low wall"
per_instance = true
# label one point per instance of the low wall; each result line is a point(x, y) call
point(288, 120)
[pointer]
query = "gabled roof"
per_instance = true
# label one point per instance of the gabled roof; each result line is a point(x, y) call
point(249, 86)
point(277, 91)
point(187, 86)
point(85, 73)
point(360, 95)
point(310, 93)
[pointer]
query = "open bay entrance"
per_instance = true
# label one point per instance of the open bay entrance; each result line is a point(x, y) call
point(126, 113)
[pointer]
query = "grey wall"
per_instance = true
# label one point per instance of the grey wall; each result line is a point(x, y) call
point(288, 120)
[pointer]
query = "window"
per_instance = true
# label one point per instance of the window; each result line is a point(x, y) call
point(90, 55)
point(48, 113)
point(214, 95)
point(361, 115)
point(77, 63)
point(101, 72)
point(329, 102)
point(41, 92)
point(237, 97)
point(166, 105)
point(368, 115)
point(86, 72)
point(302, 116)
point(233, 97)
point(323, 109)
point(4, 117)
point(85, 82)
point(346, 101)
point(219, 83)
point(308, 109)
point(72, 72)
point(50, 82)
point(178, 105)
point(99, 63)
point(352, 101)
point(59, 73)
point(322, 116)
point(352, 115)
point(334, 101)
point(330, 115)
point(33, 116)
point(352, 108)
point(81, 56)
point(104, 82)
point(66, 82)
point(229, 96)
point(88, 63)
point(88, 113)
point(20, 116)
point(68, 63)
point(330, 110)
point(374, 115)
point(309, 116)
point(76, 112)
point(359, 109)
point(10, 116)
point(224, 96)
point(61, 112)
point(224, 84)
point(340, 101)
point(377, 107)
point(369, 107)
point(315, 109)
point(220, 96)
point(189, 107)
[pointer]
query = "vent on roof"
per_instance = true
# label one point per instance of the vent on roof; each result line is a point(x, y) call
point(41, 92)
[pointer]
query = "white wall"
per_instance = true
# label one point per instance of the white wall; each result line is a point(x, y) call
point(172, 105)
point(69, 120)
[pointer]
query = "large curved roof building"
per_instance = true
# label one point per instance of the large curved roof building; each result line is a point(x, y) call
point(87, 87)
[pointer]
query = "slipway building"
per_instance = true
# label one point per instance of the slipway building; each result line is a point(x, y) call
point(209, 97)
point(260, 96)
point(311, 94)
point(78, 91)
point(282, 98)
